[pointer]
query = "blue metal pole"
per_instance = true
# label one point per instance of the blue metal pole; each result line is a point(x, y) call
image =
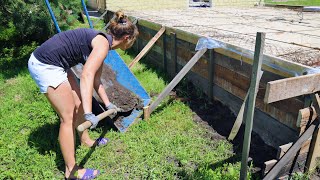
point(85, 11)
point(52, 16)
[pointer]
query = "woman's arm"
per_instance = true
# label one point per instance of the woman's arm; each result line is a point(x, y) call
point(99, 87)
point(100, 48)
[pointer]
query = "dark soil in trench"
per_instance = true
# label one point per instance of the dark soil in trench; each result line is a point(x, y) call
point(218, 120)
point(213, 115)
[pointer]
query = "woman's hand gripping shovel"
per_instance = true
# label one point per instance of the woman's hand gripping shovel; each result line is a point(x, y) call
point(101, 116)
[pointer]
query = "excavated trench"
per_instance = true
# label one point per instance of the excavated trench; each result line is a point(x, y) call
point(213, 115)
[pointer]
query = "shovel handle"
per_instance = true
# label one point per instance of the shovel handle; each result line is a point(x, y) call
point(101, 116)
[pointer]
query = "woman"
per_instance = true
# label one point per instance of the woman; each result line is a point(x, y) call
point(49, 66)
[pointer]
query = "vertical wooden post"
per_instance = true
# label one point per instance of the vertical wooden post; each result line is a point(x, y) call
point(146, 112)
point(314, 151)
point(211, 73)
point(174, 54)
point(164, 45)
point(250, 105)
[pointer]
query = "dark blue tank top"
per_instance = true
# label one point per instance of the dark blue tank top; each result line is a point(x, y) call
point(68, 48)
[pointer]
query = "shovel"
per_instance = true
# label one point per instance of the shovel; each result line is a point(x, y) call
point(101, 116)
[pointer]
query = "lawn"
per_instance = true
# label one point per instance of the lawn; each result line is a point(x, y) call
point(168, 146)
point(294, 2)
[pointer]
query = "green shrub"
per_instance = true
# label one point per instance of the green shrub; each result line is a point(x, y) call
point(24, 24)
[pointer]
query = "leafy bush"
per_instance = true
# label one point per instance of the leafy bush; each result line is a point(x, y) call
point(23, 21)
point(24, 24)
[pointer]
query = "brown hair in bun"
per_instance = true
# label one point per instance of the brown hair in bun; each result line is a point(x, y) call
point(121, 26)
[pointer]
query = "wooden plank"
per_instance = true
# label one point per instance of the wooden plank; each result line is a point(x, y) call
point(147, 48)
point(283, 149)
point(211, 73)
point(279, 109)
point(267, 166)
point(265, 125)
point(292, 87)
point(270, 63)
point(146, 112)
point(285, 111)
point(250, 105)
point(99, 18)
point(237, 124)
point(108, 24)
point(174, 54)
point(306, 116)
point(164, 47)
point(294, 165)
point(315, 143)
point(314, 151)
point(289, 155)
point(177, 79)
point(235, 78)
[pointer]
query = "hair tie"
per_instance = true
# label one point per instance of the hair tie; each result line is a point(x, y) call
point(122, 21)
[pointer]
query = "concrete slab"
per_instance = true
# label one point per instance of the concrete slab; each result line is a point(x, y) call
point(291, 34)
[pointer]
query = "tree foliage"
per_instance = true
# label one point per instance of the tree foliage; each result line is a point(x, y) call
point(23, 21)
point(24, 24)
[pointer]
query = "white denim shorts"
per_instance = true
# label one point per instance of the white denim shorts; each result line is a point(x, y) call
point(46, 75)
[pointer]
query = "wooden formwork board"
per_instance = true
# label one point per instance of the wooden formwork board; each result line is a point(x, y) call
point(290, 34)
point(231, 75)
point(288, 68)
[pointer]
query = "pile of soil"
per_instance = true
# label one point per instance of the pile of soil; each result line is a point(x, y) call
point(117, 94)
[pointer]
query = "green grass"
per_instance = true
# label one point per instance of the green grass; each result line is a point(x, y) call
point(168, 146)
point(294, 2)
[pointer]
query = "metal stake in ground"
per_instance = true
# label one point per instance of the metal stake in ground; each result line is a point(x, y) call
point(250, 105)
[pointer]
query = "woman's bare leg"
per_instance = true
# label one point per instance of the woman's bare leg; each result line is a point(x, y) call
point(62, 100)
point(84, 136)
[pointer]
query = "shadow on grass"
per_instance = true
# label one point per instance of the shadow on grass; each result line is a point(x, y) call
point(13, 65)
point(220, 119)
point(45, 140)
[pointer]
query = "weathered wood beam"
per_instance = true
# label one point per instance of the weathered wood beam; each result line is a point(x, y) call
point(271, 63)
point(283, 149)
point(250, 105)
point(237, 124)
point(267, 166)
point(148, 47)
point(211, 73)
point(286, 158)
point(292, 87)
point(177, 79)
point(146, 112)
point(314, 153)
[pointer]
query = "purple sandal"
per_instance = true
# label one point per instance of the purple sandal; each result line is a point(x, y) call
point(89, 174)
point(102, 141)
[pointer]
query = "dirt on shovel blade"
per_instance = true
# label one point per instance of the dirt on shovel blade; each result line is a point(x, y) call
point(119, 95)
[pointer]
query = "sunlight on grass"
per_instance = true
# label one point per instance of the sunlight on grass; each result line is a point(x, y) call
point(170, 145)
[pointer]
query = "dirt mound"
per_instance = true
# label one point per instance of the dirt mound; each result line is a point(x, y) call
point(119, 95)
